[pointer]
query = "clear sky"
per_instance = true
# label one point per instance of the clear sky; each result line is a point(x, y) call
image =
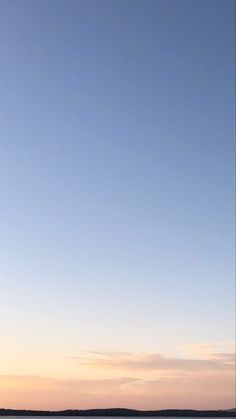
point(117, 203)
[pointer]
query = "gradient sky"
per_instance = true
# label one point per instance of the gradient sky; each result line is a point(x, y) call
point(117, 213)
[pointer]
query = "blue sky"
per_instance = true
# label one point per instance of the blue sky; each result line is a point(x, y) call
point(117, 174)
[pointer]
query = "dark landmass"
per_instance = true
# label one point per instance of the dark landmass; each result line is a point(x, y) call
point(121, 412)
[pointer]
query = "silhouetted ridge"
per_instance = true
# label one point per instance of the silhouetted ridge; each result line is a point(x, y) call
point(121, 412)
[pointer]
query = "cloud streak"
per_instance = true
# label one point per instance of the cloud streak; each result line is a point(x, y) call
point(158, 362)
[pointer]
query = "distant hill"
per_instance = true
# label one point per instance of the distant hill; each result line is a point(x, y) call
point(121, 412)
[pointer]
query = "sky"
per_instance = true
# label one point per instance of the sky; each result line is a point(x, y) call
point(117, 204)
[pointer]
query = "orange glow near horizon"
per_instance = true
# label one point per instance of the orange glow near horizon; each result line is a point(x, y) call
point(141, 381)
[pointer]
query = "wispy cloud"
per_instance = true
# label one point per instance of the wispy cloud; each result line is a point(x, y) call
point(157, 362)
point(209, 348)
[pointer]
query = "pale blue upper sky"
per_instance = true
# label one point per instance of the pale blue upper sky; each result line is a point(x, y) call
point(116, 172)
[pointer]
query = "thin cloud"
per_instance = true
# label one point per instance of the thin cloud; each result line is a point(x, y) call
point(158, 362)
point(209, 348)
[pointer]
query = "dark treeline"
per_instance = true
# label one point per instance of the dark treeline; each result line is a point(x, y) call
point(121, 412)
